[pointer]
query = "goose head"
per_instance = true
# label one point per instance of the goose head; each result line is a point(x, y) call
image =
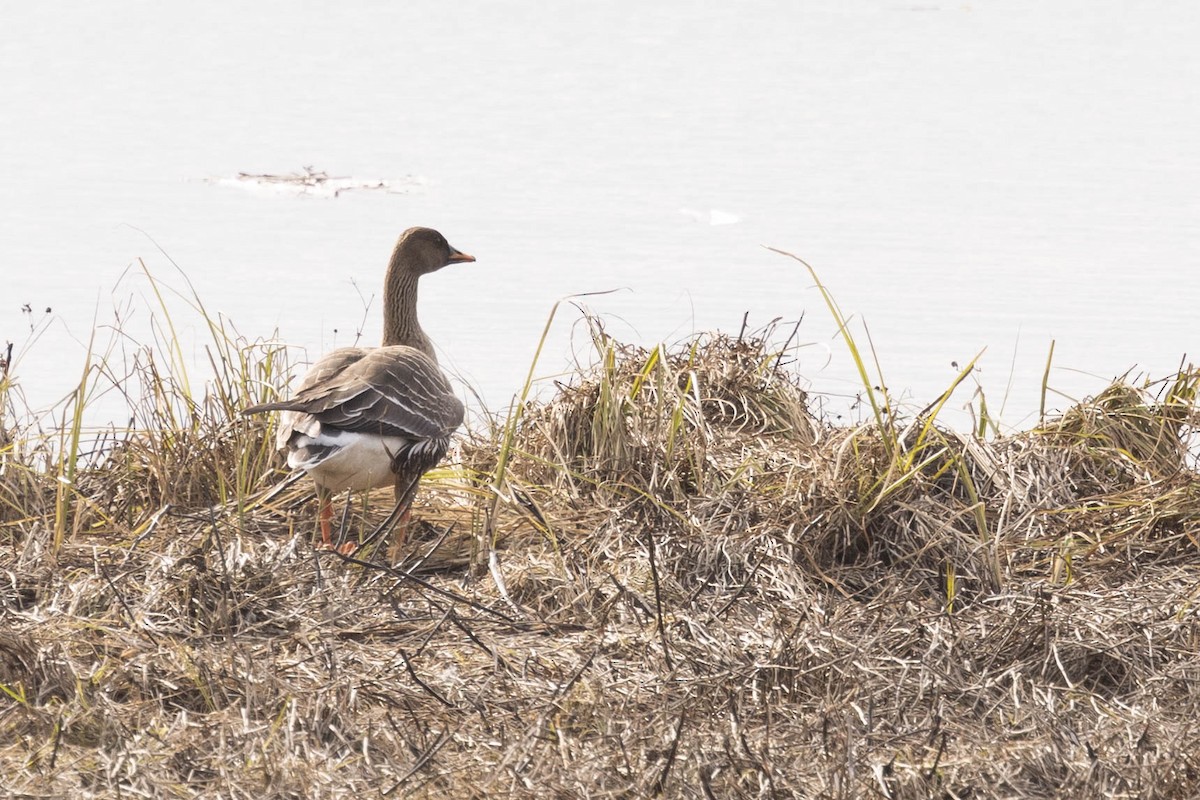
point(420, 251)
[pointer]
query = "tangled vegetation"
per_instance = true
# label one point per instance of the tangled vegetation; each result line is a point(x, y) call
point(670, 578)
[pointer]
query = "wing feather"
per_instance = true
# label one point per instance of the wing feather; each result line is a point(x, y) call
point(390, 391)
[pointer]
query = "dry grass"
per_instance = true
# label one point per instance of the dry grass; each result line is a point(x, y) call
point(669, 579)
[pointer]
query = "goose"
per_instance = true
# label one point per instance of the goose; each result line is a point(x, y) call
point(369, 417)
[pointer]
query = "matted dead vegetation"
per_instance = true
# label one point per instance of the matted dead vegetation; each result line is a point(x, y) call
point(670, 578)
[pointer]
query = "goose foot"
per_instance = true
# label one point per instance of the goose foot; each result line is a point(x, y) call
point(345, 548)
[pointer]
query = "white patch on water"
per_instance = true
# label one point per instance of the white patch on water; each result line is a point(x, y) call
point(711, 217)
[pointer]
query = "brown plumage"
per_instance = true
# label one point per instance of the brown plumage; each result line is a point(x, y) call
point(364, 418)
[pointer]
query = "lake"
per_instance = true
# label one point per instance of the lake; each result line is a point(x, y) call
point(962, 176)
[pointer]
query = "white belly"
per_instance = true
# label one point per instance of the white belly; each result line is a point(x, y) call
point(353, 461)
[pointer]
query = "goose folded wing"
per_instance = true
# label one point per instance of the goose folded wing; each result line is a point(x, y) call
point(331, 364)
point(393, 391)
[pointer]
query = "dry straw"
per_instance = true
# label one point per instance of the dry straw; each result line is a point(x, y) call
point(669, 578)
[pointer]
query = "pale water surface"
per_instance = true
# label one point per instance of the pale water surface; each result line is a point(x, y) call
point(962, 175)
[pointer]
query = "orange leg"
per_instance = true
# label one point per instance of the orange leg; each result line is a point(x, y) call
point(404, 490)
point(402, 529)
point(396, 552)
point(325, 515)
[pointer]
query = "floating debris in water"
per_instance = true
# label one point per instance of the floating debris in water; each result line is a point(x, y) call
point(318, 182)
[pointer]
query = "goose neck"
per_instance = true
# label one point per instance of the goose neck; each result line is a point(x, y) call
point(400, 323)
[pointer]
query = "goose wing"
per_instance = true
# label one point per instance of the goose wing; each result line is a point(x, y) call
point(330, 365)
point(324, 370)
point(387, 391)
